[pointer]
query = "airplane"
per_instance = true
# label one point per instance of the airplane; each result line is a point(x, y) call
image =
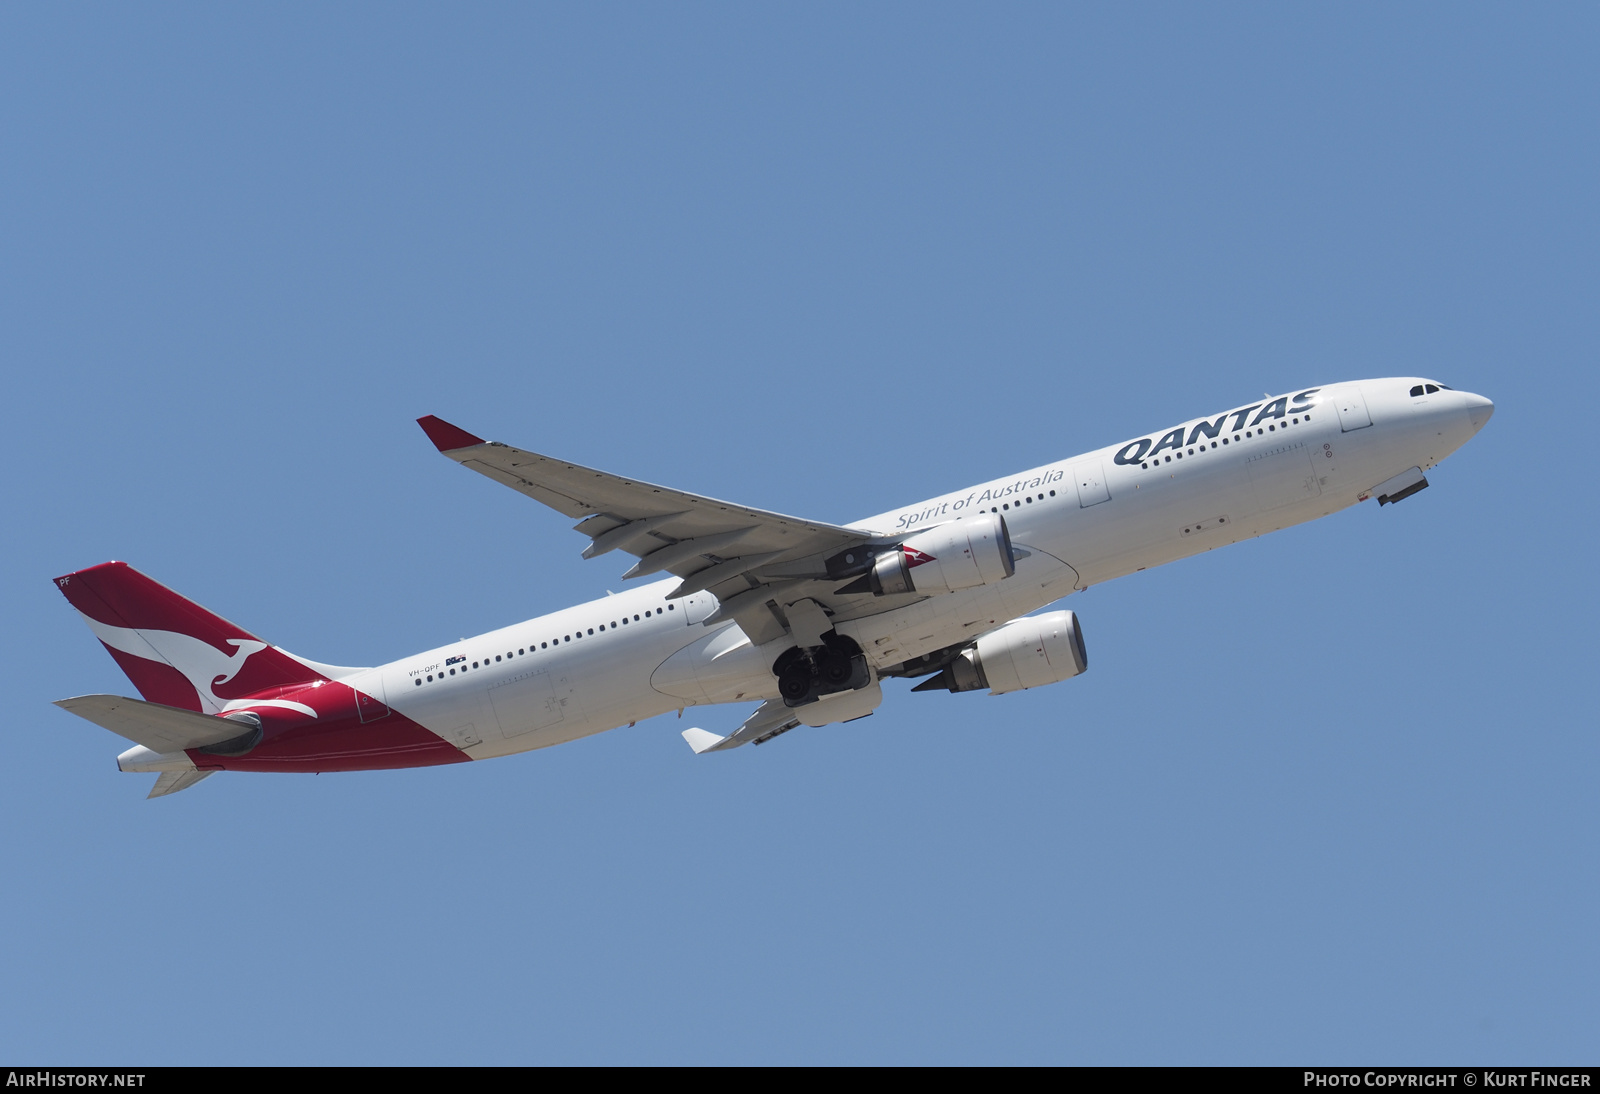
point(803, 617)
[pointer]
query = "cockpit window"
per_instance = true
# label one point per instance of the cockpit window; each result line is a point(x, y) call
point(1432, 388)
point(1416, 391)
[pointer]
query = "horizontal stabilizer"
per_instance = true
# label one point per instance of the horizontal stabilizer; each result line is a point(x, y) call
point(157, 727)
point(170, 782)
point(702, 740)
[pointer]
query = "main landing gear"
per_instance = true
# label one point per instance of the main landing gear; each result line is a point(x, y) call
point(805, 675)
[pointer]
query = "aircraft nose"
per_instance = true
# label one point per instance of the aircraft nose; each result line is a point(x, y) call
point(1479, 410)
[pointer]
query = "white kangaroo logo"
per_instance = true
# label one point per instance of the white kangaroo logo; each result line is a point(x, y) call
point(201, 663)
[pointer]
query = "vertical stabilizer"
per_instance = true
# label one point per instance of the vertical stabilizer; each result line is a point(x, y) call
point(174, 651)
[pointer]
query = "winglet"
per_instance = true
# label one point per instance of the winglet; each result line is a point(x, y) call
point(446, 437)
point(702, 740)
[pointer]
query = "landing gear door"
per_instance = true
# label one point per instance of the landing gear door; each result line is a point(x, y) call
point(1352, 409)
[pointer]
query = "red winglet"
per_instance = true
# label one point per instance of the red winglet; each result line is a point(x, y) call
point(446, 437)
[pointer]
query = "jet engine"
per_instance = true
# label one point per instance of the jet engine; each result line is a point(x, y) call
point(1025, 653)
point(963, 554)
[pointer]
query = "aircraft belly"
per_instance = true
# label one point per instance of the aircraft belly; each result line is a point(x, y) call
point(721, 667)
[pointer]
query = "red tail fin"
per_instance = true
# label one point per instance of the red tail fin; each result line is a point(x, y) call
point(173, 650)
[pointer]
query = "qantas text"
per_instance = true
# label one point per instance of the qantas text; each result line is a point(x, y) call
point(1140, 450)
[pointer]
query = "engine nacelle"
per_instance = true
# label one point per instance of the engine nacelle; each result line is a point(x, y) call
point(962, 554)
point(1025, 653)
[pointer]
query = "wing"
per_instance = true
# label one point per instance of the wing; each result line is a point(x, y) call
point(756, 563)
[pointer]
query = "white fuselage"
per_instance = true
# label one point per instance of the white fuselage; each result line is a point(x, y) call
point(1081, 521)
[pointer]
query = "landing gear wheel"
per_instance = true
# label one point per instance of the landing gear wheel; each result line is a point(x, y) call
point(794, 683)
point(835, 669)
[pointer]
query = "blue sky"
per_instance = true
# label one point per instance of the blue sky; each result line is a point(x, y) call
point(1324, 796)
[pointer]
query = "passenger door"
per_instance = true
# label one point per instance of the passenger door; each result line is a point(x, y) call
point(1091, 479)
point(1352, 408)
